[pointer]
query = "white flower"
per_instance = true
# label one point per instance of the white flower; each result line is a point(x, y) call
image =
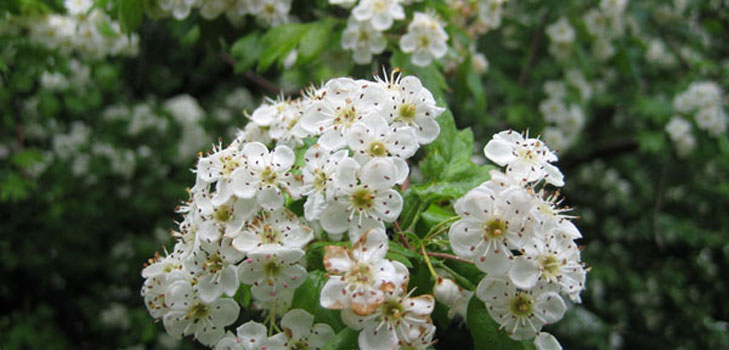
point(553, 109)
point(346, 101)
point(411, 104)
point(491, 223)
point(521, 313)
point(555, 90)
point(490, 12)
point(218, 168)
point(271, 12)
point(180, 9)
point(425, 39)
point(363, 39)
point(400, 319)
point(267, 175)
point(374, 138)
point(225, 219)
point(271, 270)
point(250, 336)
point(301, 332)
point(381, 13)
point(364, 199)
point(546, 341)
point(188, 315)
point(78, 7)
point(555, 259)
point(712, 119)
point(561, 31)
point(158, 276)
point(360, 276)
point(678, 128)
point(279, 227)
point(319, 174)
point(525, 159)
point(216, 269)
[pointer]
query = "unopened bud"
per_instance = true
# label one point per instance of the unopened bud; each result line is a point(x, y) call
point(446, 291)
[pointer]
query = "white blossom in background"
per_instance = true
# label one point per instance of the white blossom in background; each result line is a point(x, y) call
point(703, 101)
point(381, 13)
point(490, 13)
point(425, 39)
point(679, 130)
point(527, 159)
point(561, 31)
point(179, 9)
point(363, 40)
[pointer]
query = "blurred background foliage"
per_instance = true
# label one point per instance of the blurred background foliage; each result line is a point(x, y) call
point(94, 154)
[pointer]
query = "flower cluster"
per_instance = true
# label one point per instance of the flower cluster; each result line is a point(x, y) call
point(352, 138)
point(425, 39)
point(565, 122)
point(86, 30)
point(513, 229)
point(268, 12)
point(703, 100)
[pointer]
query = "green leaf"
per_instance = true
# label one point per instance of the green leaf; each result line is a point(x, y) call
point(485, 331)
point(131, 13)
point(278, 43)
point(346, 339)
point(316, 39)
point(26, 158)
point(246, 51)
point(307, 297)
point(436, 214)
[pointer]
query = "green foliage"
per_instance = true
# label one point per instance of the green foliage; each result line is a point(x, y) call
point(485, 331)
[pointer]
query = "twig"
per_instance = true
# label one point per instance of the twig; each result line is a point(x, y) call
point(252, 76)
point(536, 43)
point(449, 256)
point(402, 235)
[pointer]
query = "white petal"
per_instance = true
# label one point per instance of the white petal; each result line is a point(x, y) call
point(499, 152)
point(379, 173)
point(270, 198)
point(241, 182)
point(427, 130)
point(372, 339)
point(408, 43)
point(388, 204)
point(554, 176)
point(252, 333)
point(546, 341)
point(283, 158)
point(422, 305)
point(298, 322)
point(551, 308)
point(334, 218)
point(465, 236)
point(524, 273)
point(224, 312)
point(320, 334)
point(333, 294)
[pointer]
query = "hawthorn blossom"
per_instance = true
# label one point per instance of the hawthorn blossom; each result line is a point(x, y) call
point(399, 319)
point(279, 227)
point(410, 104)
point(373, 138)
point(364, 199)
point(525, 158)
point(319, 174)
point(250, 336)
point(520, 313)
point(215, 266)
point(301, 332)
point(360, 276)
point(189, 315)
point(267, 175)
point(363, 40)
point(381, 13)
point(425, 39)
point(271, 270)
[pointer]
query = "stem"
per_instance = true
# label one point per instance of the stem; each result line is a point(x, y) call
point(438, 228)
point(272, 318)
point(427, 262)
point(402, 236)
point(450, 256)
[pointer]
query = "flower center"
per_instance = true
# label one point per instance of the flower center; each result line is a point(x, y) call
point(521, 305)
point(406, 112)
point(270, 235)
point(362, 199)
point(550, 265)
point(214, 264)
point(346, 116)
point(360, 274)
point(320, 179)
point(229, 164)
point(378, 149)
point(223, 214)
point(379, 6)
point(495, 229)
point(268, 176)
point(423, 41)
point(272, 268)
point(198, 311)
point(392, 310)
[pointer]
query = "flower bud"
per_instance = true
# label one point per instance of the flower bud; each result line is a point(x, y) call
point(446, 291)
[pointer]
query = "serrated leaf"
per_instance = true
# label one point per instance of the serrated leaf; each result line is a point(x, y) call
point(131, 13)
point(485, 331)
point(346, 339)
point(307, 297)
